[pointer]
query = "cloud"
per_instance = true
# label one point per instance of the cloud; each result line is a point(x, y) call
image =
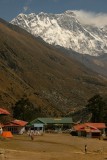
point(25, 8)
point(97, 19)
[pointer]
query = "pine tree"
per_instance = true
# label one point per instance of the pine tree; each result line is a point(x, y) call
point(97, 106)
point(25, 110)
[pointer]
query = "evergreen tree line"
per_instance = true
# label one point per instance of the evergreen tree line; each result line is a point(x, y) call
point(25, 110)
point(97, 106)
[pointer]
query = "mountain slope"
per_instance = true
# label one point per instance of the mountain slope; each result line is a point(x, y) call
point(52, 80)
point(66, 31)
point(96, 63)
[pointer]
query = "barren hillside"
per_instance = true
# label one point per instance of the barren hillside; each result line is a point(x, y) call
point(52, 80)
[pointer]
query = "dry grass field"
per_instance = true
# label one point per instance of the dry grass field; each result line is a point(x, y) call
point(52, 147)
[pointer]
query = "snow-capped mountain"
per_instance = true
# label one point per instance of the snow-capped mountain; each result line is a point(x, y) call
point(65, 30)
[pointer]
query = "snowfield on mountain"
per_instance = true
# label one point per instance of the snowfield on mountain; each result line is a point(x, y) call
point(65, 30)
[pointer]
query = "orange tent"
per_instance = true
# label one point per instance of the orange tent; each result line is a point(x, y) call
point(7, 134)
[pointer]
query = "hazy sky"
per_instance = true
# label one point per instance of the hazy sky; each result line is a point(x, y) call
point(11, 8)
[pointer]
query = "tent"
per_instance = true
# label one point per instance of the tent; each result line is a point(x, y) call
point(7, 134)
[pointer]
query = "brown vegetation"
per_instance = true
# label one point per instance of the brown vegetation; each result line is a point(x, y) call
point(52, 80)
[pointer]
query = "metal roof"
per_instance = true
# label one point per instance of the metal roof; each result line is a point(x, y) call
point(90, 126)
point(60, 120)
point(16, 123)
point(3, 111)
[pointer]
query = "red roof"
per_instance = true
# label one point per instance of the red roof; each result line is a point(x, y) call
point(97, 125)
point(11, 125)
point(4, 111)
point(90, 127)
point(79, 127)
point(19, 122)
point(1, 125)
point(16, 123)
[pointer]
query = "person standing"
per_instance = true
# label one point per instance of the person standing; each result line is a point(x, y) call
point(85, 148)
point(1, 130)
point(32, 136)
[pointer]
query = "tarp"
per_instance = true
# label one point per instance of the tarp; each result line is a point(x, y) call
point(7, 134)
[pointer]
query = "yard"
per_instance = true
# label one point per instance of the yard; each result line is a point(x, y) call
point(52, 147)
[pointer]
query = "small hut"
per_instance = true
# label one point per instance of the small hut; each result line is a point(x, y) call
point(15, 126)
point(90, 129)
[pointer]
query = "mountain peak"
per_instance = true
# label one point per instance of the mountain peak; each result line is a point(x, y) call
point(71, 13)
point(65, 30)
point(42, 13)
point(21, 14)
